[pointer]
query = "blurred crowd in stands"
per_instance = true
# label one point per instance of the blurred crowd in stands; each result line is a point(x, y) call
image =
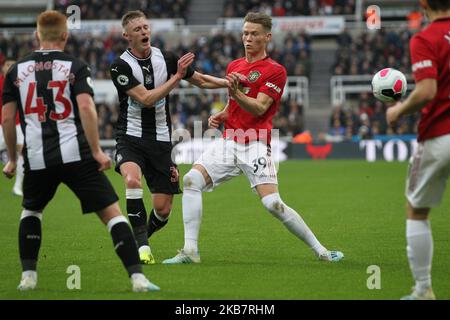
point(367, 52)
point(361, 117)
point(366, 120)
point(212, 56)
point(113, 9)
point(212, 53)
point(280, 8)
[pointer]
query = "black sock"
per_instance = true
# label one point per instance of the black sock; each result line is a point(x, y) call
point(29, 242)
point(154, 224)
point(138, 220)
point(125, 247)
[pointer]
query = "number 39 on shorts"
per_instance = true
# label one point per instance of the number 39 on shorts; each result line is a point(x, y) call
point(259, 164)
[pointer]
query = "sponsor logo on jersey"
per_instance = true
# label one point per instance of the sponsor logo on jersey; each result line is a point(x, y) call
point(421, 64)
point(273, 86)
point(123, 80)
point(447, 37)
point(90, 82)
point(253, 76)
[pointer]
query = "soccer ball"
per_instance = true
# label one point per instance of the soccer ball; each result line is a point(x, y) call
point(389, 85)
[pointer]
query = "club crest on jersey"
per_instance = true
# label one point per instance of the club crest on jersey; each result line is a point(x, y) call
point(148, 79)
point(253, 76)
point(122, 80)
point(245, 90)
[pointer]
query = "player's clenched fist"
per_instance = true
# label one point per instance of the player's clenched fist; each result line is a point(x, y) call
point(103, 160)
point(10, 169)
point(215, 120)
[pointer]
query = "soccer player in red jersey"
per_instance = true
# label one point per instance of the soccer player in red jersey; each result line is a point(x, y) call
point(430, 165)
point(17, 189)
point(256, 85)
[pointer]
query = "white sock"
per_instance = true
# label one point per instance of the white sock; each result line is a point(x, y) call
point(137, 277)
point(420, 252)
point(145, 249)
point(19, 173)
point(31, 273)
point(292, 221)
point(192, 218)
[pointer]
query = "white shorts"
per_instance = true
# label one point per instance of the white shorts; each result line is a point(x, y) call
point(19, 134)
point(428, 172)
point(225, 159)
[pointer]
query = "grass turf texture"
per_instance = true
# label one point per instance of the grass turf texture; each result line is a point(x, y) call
point(353, 206)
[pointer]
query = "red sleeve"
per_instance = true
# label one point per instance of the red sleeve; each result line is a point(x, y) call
point(273, 86)
point(423, 59)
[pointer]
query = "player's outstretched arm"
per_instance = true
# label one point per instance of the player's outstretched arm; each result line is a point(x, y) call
point(9, 132)
point(206, 81)
point(424, 92)
point(88, 116)
point(148, 98)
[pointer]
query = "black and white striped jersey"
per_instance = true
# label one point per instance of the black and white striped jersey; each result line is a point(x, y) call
point(127, 72)
point(45, 85)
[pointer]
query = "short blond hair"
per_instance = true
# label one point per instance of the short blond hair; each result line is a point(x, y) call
point(51, 25)
point(259, 18)
point(131, 15)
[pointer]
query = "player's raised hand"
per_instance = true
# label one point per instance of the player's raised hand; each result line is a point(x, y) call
point(234, 82)
point(10, 169)
point(104, 161)
point(215, 120)
point(183, 63)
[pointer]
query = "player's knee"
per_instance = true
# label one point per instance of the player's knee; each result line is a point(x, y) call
point(133, 182)
point(194, 180)
point(163, 213)
point(274, 204)
point(163, 210)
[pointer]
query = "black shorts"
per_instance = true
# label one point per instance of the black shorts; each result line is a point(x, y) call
point(155, 161)
point(90, 186)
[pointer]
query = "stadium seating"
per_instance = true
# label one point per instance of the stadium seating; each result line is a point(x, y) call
point(212, 56)
point(366, 53)
point(111, 9)
point(236, 8)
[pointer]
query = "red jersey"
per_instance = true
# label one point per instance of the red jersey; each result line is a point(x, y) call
point(2, 78)
point(266, 76)
point(430, 58)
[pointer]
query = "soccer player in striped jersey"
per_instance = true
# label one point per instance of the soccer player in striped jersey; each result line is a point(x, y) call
point(144, 75)
point(52, 91)
point(256, 84)
point(430, 165)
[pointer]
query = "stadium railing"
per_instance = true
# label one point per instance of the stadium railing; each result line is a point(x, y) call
point(341, 86)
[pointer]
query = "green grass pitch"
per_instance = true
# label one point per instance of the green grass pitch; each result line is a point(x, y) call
point(352, 206)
